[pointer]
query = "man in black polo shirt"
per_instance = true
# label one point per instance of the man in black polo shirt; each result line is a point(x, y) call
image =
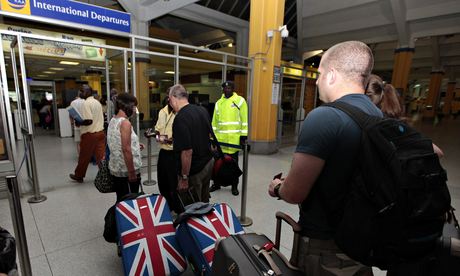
point(191, 138)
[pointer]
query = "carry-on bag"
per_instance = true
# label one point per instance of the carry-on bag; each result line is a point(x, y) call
point(147, 237)
point(198, 234)
point(250, 254)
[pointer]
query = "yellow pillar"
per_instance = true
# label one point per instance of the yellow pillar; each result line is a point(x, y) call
point(449, 97)
point(401, 69)
point(142, 86)
point(433, 94)
point(265, 16)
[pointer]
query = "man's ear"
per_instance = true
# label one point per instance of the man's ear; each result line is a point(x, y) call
point(332, 76)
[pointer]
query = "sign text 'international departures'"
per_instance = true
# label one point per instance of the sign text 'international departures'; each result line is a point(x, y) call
point(71, 11)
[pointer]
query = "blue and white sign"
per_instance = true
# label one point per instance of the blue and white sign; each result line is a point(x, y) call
point(71, 11)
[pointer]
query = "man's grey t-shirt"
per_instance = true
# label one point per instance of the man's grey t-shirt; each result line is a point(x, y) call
point(330, 134)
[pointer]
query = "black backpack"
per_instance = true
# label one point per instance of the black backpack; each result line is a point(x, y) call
point(398, 200)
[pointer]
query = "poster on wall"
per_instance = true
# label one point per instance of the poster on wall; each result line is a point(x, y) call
point(49, 48)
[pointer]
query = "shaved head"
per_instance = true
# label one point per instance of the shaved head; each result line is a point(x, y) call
point(352, 59)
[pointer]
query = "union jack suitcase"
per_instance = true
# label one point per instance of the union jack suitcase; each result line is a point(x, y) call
point(148, 237)
point(198, 234)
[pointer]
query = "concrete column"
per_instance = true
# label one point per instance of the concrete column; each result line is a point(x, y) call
point(265, 16)
point(142, 65)
point(450, 94)
point(401, 69)
point(431, 103)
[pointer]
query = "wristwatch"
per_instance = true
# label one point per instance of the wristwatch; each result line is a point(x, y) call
point(184, 177)
point(276, 190)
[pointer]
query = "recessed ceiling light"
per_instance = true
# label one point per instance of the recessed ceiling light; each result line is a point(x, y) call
point(169, 72)
point(49, 72)
point(65, 62)
point(56, 68)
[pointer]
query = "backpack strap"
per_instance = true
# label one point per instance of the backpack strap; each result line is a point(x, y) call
point(359, 116)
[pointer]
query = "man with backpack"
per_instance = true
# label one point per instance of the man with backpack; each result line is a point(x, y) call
point(325, 158)
point(371, 189)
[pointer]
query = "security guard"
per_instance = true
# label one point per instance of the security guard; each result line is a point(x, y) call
point(230, 124)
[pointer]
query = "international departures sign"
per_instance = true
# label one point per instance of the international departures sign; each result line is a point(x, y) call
point(71, 11)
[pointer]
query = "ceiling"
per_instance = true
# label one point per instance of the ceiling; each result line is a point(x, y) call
point(432, 27)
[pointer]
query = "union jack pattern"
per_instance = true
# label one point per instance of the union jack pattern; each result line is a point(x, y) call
point(147, 236)
point(221, 222)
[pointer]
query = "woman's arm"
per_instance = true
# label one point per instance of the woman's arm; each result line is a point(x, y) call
point(125, 131)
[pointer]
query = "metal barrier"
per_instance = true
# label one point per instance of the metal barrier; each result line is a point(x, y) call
point(18, 224)
point(149, 181)
point(37, 198)
point(244, 220)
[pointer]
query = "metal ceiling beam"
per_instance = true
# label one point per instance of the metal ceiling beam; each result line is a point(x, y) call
point(233, 6)
point(217, 19)
point(130, 6)
point(399, 15)
point(244, 9)
point(220, 5)
point(290, 7)
point(160, 8)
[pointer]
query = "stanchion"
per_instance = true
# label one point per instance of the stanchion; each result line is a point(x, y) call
point(37, 198)
point(149, 181)
point(18, 224)
point(244, 220)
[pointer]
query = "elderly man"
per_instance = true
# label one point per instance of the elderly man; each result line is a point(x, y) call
point(325, 158)
point(191, 138)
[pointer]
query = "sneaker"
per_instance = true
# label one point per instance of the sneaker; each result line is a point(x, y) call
point(235, 191)
point(76, 178)
point(214, 187)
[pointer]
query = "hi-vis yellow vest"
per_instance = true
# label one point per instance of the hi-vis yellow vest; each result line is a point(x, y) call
point(230, 121)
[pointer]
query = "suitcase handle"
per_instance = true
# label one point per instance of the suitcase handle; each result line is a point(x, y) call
point(271, 262)
point(280, 216)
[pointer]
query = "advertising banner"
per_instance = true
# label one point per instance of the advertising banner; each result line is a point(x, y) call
point(49, 48)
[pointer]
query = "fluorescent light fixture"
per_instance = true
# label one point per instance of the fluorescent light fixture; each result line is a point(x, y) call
point(417, 85)
point(113, 73)
point(42, 76)
point(169, 72)
point(97, 67)
point(49, 72)
point(56, 68)
point(65, 62)
point(230, 45)
point(166, 80)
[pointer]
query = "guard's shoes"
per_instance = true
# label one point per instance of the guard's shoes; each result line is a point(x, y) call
point(214, 187)
point(76, 178)
point(235, 190)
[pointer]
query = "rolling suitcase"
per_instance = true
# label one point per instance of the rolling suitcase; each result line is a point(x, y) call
point(250, 254)
point(198, 234)
point(254, 254)
point(147, 237)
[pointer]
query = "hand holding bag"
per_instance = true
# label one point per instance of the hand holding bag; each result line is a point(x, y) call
point(103, 181)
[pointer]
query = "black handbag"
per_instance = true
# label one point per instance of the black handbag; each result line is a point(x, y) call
point(103, 180)
point(7, 252)
point(226, 170)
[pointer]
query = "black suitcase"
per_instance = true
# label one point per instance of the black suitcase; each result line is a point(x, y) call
point(250, 254)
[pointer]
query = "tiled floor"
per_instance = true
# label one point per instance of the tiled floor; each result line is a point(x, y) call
point(64, 233)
